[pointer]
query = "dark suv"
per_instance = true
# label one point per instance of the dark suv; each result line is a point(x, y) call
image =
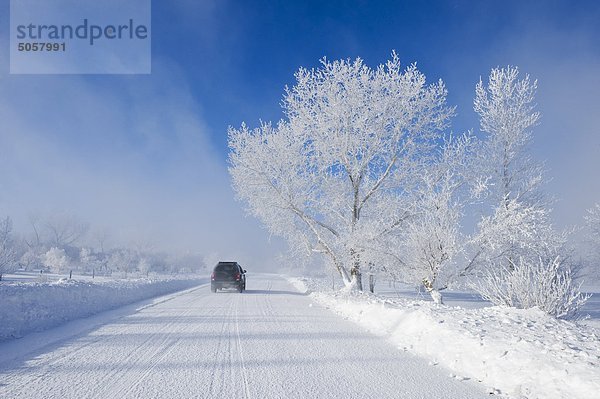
point(228, 275)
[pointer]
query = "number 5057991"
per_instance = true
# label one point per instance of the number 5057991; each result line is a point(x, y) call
point(41, 46)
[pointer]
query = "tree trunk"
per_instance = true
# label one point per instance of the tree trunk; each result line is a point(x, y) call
point(347, 280)
point(357, 276)
point(435, 294)
point(372, 283)
point(506, 199)
point(355, 271)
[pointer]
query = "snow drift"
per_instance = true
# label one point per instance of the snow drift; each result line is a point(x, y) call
point(28, 307)
point(515, 352)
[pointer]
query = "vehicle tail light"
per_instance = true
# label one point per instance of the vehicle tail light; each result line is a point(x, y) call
point(212, 276)
point(238, 276)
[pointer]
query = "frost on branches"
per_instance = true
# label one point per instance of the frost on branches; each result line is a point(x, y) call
point(517, 231)
point(56, 260)
point(361, 172)
point(516, 249)
point(432, 236)
point(338, 174)
point(545, 284)
point(507, 114)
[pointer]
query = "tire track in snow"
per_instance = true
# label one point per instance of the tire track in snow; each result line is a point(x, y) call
point(146, 352)
point(217, 370)
point(45, 364)
point(240, 351)
point(126, 390)
point(168, 343)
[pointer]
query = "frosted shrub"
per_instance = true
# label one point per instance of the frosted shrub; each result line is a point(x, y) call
point(56, 260)
point(548, 285)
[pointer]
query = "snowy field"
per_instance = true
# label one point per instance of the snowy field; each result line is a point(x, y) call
point(518, 353)
point(32, 303)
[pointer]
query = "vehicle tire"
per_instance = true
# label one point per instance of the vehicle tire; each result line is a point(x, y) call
point(240, 288)
point(213, 288)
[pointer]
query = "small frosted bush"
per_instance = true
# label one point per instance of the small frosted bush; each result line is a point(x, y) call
point(547, 285)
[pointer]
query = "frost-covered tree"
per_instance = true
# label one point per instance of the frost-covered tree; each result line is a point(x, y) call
point(185, 263)
point(101, 238)
point(63, 229)
point(432, 237)
point(515, 231)
point(34, 241)
point(517, 240)
point(338, 171)
point(510, 178)
point(31, 259)
point(124, 260)
point(507, 115)
point(90, 262)
point(144, 266)
point(56, 260)
point(8, 253)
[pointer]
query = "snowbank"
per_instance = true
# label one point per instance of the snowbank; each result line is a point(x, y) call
point(28, 307)
point(521, 353)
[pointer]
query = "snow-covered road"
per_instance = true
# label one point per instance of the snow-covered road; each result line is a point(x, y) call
point(269, 342)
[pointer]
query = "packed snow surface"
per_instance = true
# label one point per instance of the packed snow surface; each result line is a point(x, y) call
point(35, 306)
point(518, 353)
point(268, 342)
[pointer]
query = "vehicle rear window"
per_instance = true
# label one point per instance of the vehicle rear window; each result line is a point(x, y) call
point(227, 267)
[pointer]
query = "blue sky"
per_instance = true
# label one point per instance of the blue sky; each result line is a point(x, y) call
point(146, 155)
